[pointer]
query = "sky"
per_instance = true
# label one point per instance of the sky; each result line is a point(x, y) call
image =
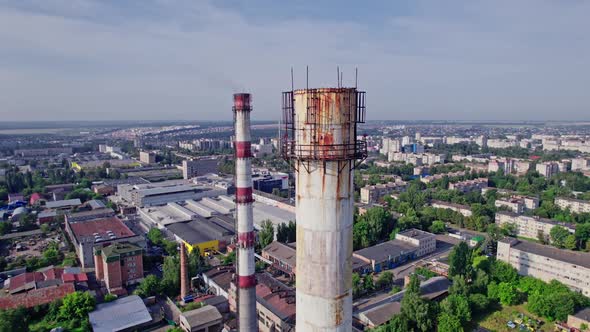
point(183, 59)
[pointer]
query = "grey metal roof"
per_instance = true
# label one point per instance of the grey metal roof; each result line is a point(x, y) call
point(200, 230)
point(96, 204)
point(386, 250)
point(123, 313)
point(568, 256)
point(201, 316)
point(64, 203)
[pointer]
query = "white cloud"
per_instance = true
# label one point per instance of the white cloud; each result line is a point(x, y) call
point(524, 60)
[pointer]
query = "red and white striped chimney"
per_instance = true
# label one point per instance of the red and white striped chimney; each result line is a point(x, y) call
point(246, 280)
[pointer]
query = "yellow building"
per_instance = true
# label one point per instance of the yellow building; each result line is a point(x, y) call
point(204, 247)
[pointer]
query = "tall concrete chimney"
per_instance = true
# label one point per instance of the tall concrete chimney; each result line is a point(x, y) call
point(320, 141)
point(183, 272)
point(246, 280)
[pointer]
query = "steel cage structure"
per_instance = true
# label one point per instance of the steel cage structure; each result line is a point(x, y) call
point(291, 150)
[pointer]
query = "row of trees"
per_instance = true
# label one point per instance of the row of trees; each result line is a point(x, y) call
point(71, 313)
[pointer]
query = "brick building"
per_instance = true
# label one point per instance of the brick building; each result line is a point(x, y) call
point(119, 265)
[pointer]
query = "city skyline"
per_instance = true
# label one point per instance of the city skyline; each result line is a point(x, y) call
point(476, 60)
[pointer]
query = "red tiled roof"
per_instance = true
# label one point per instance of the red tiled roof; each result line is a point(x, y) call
point(71, 277)
point(22, 279)
point(34, 198)
point(54, 273)
point(36, 297)
point(101, 226)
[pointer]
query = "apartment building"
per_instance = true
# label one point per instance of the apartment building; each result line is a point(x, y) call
point(572, 268)
point(147, 157)
point(469, 185)
point(518, 204)
point(431, 178)
point(547, 169)
point(574, 205)
point(580, 164)
point(463, 209)
point(372, 194)
point(531, 227)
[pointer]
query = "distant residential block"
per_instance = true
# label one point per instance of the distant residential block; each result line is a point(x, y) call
point(463, 209)
point(469, 185)
point(529, 226)
point(574, 205)
point(372, 194)
point(518, 204)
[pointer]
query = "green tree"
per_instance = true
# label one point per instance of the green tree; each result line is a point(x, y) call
point(171, 247)
point(457, 306)
point(155, 236)
point(419, 311)
point(357, 286)
point(507, 293)
point(13, 320)
point(384, 280)
point(171, 276)
point(503, 272)
point(570, 242)
point(76, 305)
point(229, 258)
point(368, 284)
point(286, 232)
point(110, 297)
point(478, 302)
point(266, 234)
point(397, 323)
point(449, 323)
point(558, 236)
point(149, 286)
point(414, 285)
point(459, 286)
point(438, 227)
point(459, 259)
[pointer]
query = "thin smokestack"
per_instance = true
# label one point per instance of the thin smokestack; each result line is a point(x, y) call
point(183, 272)
point(246, 280)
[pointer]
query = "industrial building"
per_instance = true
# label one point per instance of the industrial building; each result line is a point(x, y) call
point(89, 215)
point(208, 235)
point(96, 233)
point(268, 182)
point(125, 314)
point(118, 265)
point(572, 268)
point(205, 319)
point(198, 167)
point(151, 194)
point(531, 227)
point(282, 257)
point(424, 242)
point(384, 256)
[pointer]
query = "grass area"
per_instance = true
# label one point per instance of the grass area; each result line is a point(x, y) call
point(42, 325)
point(496, 321)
